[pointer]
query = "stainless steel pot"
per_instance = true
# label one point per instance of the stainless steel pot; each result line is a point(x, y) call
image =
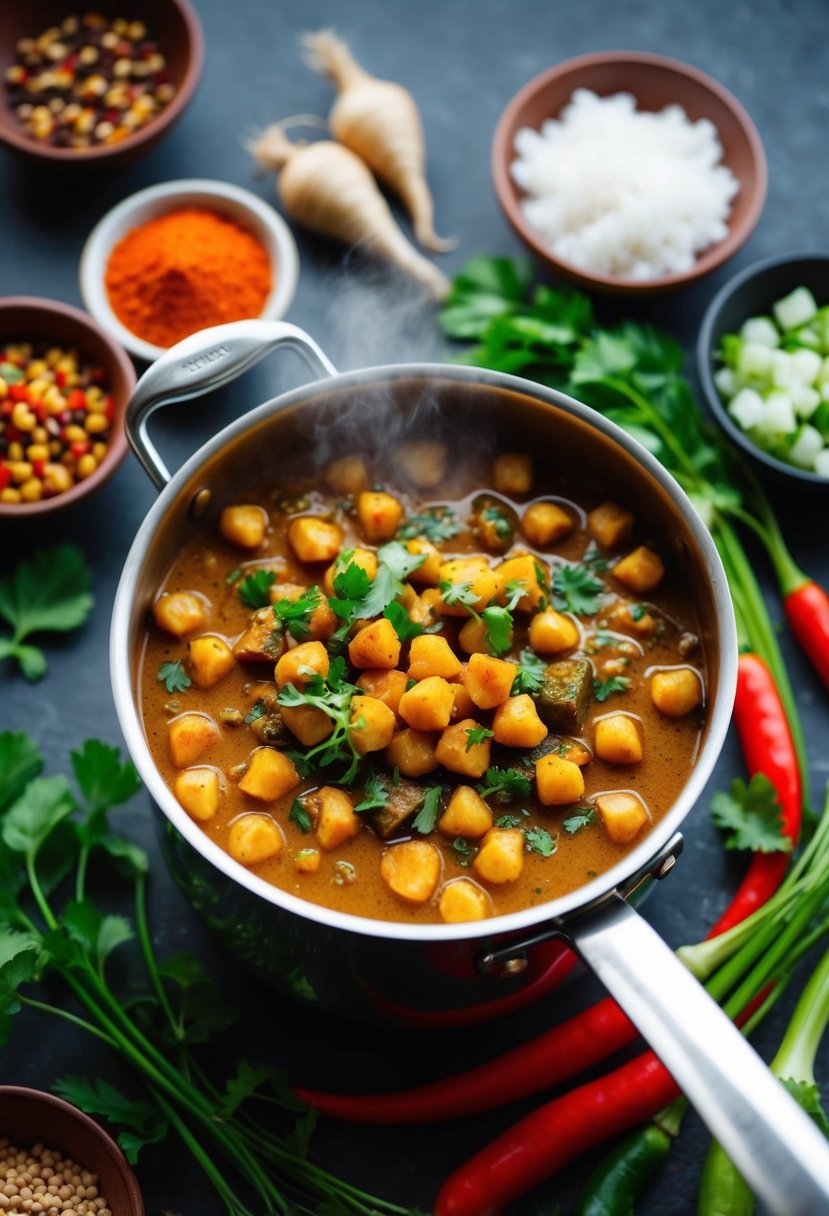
point(350, 964)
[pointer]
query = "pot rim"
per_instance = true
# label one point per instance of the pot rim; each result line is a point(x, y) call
point(555, 910)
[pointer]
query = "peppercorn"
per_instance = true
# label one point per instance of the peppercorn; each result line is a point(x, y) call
point(89, 81)
point(55, 421)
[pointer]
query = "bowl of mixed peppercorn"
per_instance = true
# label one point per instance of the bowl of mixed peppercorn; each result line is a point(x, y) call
point(85, 86)
point(64, 386)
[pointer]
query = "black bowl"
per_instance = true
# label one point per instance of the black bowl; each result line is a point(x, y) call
point(749, 294)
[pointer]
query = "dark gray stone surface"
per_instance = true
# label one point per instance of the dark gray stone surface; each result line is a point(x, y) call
point(463, 62)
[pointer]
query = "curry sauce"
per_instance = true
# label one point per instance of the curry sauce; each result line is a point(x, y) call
point(426, 706)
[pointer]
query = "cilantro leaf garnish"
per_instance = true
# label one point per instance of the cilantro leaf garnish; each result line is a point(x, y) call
point(455, 594)
point(174, 677)
point(435, 524)
point(404, 626)
point(576, 590)
point(357, 596)
point(530, 674)
point(254, 589)
point(375, 794)
point(583, 817)
point(48, 592)
point(426, 818)
point(602, 689)
point(463, 850)
point(299, 816)
point(751, 816)
point(295, 615)
point(808, 1096)
point(256, 712)
point(508, 784)
point(476, 735)
point(333, 696)
point(539, 840)
point(507, 821)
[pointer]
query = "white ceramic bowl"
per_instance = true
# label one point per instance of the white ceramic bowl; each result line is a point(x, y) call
point(231, 201)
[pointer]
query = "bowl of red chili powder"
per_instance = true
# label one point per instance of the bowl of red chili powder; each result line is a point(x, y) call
point(184, 256)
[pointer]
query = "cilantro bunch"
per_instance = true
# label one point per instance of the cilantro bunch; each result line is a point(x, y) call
point(633, 374)
point(51, 929)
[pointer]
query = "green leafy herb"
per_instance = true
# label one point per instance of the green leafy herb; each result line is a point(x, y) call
point(507, 821)
point(174, 677)
point(295, 615)
point(299, 816)
point(233, 577)
point(435, 524)
point(375, 794)
point(333, 696)
point(508, 784)
point(750, 815)
point(48, 592)
point(504, 528)
point(426, 818)
point(530, 675)
point(576, 590)
point(476, 735)
point(602, 689)
point(140, 1122)
point(404, 626)
point(464, 853)
point(458, 594)
point(497, 629)
point(582, 818)
point(254, 590)
point(808, 1096)
point(358, 597)
point(256, 712)
point(50, 832)
point(637, 611)
point(540, 841)
point(20, 761)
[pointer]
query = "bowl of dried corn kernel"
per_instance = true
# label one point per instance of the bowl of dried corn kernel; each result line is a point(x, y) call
point(64, 386)
point(102, 84)
point(55, 1159)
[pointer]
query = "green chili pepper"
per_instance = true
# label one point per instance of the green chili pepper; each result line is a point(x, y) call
point(722, 1190)
point(623, 1176)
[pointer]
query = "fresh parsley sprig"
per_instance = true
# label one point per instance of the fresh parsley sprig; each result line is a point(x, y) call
point(750, 815)
point(576, 589)
point(375, 794)
point(173, 676)
point(506, 784)
point(476, 735)
point(255, 589)
point(426, 818)
point(50, 923)
point(602, 689)
point(295, 615)
point(539, 840)
point(333, 696)
point(48, 592)
point(530, 675)
point(496, 619)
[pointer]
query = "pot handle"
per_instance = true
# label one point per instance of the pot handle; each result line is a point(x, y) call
point(773, 1142)
point(204, 361)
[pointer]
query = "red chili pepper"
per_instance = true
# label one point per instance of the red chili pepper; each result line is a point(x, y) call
point(807, 611)
point(556, 1055)
point(76, 399)
point(546, 1140)
point(769, 749)
point(19, 392)
point(5, 476)
point(81, 448)
point(60, 379)
point(39, 467)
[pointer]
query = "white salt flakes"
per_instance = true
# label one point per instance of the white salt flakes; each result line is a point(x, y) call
point(624, 192)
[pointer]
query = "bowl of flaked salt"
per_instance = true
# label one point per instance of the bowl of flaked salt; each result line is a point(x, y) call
point(628, 172)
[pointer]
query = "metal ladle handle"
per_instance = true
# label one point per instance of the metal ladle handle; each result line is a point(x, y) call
point(205, 361)
point(772, 1141)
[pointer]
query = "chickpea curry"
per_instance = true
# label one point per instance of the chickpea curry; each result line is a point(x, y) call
point(435, 706)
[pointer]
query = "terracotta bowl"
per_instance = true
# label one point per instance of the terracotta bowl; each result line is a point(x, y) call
point(655, 82)
point(29, 1116)
point(178, 32)
point(26, 317)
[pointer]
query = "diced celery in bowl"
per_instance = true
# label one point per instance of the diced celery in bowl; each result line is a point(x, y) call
point(774, 379)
